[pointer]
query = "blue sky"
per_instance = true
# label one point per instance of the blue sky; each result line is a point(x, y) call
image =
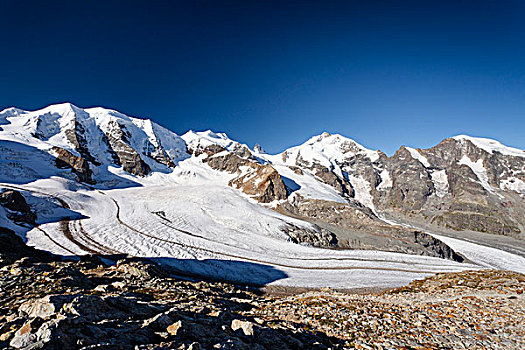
point(383, 73)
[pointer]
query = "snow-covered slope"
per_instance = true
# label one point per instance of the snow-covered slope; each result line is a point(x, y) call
point(202, 139)
point(197, 141)
point(324, 159)
point(328, 150)
point(102, 136)
point(213, 224)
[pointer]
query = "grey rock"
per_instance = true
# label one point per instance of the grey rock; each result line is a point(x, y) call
point(15, 202)
point(246, 326)
point(45, 307)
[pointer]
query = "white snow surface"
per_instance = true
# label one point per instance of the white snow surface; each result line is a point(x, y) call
point(440, 180)
point(308, 185)
point(418, 156)
point(490, 145)
point(485, 256)
point(325, 149)
point(513, 184)
point(362, 190)
point(478, 169)
point(215, 231)
point(386, 181)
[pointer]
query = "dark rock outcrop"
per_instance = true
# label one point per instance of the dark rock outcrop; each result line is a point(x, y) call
point(125, 155)
point(355, 227)
point(13, 248)
point(262, 182)
point(411, 183)
point(76, 136)
point(442, 250)
point(15, 202)
point(79, 166)
point(342, 186)
point(321, 238)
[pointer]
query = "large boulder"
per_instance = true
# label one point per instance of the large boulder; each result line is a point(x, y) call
point(15, 202)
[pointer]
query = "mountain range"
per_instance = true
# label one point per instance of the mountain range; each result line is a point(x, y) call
point(328, 212)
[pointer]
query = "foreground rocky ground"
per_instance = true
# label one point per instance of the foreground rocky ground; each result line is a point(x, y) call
point(122, 303)
point(468, 310)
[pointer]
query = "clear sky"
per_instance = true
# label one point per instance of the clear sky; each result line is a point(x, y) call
point(383, 73)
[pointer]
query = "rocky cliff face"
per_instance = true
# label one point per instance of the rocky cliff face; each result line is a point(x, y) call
point(353, 227)
point(78, 165)
point(261, 182)
point(459, 185)
point(118, 139)
point(18, 209)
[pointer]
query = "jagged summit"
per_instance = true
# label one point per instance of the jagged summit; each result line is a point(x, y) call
point(259, 149)
point(491, 145)
point(96, 137)
point(327, 149)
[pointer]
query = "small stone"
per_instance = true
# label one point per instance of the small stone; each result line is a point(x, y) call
point(102, 288)
point(163, 335)
point(118, 285)
point(195, 346)
point(5, 336)
point(174, 328)
point(11, 318)
point(23, 337)
point(44, 307)
point(215, 313)
point(15, 271)
point(158, 321)
point(246, 326)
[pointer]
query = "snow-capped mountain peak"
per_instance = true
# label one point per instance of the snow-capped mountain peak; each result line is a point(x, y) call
point(327, 150)
point(101, 136)
point(208, 137)
point(199, 140)
point(11, 112)
point(491, 145)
